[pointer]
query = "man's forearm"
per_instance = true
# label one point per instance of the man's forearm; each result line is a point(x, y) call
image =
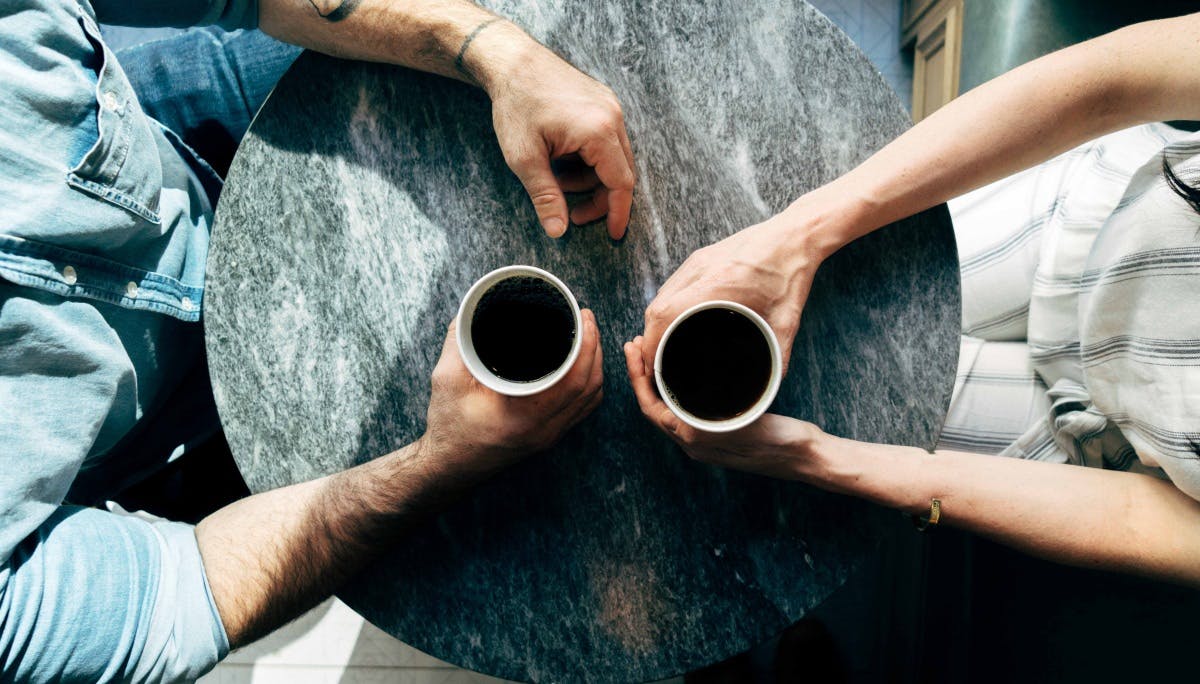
point(273, 555)
point(452, 38)
point(1070, 514)
point(1028, 115)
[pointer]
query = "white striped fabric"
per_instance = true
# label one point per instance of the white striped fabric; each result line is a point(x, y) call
point(1081, 318)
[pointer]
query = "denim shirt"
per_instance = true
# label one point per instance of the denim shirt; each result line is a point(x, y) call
point(110, 205)
point(104, 228)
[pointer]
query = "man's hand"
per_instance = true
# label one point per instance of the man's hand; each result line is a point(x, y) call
point(750, 267)
point(476, 431)
point(560, 131)
point(773, 445)
point(271, 555)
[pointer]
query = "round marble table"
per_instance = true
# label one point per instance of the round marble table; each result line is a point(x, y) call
point(367, 198)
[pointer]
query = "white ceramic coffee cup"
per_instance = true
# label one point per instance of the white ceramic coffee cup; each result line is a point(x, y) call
point(466, 345)
point(755, 411)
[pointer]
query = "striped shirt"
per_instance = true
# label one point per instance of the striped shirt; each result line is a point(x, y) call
point(1081, 314)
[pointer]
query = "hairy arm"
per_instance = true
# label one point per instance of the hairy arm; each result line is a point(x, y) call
point(429, 35)
point(272, 555)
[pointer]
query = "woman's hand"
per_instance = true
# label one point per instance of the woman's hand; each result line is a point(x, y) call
point(763, 267)
point(774, 445)
point(476, 431)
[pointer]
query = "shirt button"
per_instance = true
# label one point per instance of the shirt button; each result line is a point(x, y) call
point(131, 290)
point(69, 275)
point(186, 303)
point(110, 101)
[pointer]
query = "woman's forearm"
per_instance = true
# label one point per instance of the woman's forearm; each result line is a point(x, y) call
point(1138, 74)
point(1081, 516)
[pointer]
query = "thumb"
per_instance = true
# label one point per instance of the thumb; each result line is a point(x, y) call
point(450, 344)
point(547, 197)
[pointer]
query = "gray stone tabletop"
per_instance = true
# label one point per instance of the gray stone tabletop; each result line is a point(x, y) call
point(365, 201)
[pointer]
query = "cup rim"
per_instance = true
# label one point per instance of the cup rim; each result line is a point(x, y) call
point(764, 402)
point(466, 347)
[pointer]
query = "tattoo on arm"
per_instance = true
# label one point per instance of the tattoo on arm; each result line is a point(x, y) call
point(334, 10)
point(462, 51)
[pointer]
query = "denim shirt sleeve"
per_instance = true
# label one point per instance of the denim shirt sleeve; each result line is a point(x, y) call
point(94, 596)
point(86, 595)
point(228, 14)
point(109, 207)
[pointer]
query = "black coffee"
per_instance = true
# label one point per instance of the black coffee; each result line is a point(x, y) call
point(717, 364)
point(523, 329)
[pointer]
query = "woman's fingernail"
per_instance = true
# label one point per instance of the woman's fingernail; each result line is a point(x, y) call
point(554, 226)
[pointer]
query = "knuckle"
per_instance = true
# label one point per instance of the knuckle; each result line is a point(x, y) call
point(657, 312)
point(544, 199)
point(576, 388)
point(525, 157)
point(440, 377)
point(613, 107)
point(514, 156)
point(603, 125)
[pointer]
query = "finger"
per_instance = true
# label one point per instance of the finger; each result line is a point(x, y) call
point(648, 346)
point(614, 170)
point(548, 201)
point(627, 148)
point(575, 389)
point(578, 377)
point(649, 402)
point(594, 400)
point(591, 208)
point(583, 410)
point(620, 204)
point(596, 379)
point(656, 319)
point(450, 370)
point(670, 301)
point(594, 390)
point(450, 343)
point(594, 403)
point(588, 403)
point(623, 136)
point(579, 178)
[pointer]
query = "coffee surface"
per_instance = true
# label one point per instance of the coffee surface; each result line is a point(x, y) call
point(523, 329)
point(716, 364)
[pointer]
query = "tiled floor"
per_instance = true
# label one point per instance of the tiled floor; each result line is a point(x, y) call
point(331, 644)
point(874, 25)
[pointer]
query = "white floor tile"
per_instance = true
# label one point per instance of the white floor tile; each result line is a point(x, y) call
point(332, 635)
